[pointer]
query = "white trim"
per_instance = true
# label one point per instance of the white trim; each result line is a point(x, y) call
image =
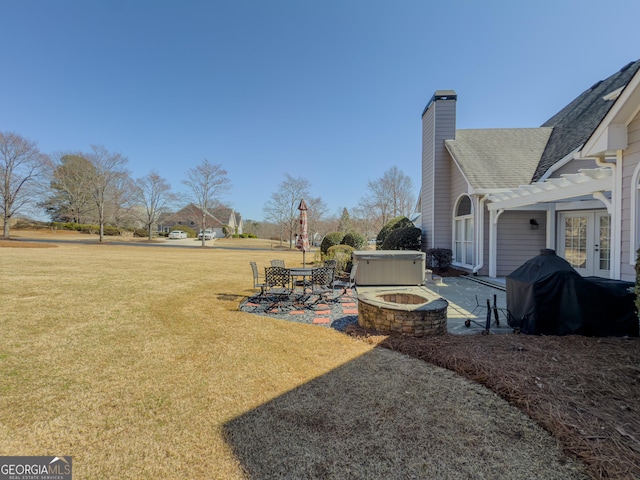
point(569, 185)
point(480, 231)
point(494, 215)
point(578, 205)
point(551, 226)
point(607, 203)
point(566, 159)
point(616, 219)
point(633, 233)
point(455, 217)
point(618, 110)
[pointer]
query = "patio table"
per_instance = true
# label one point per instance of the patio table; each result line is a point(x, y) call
point(303, 273)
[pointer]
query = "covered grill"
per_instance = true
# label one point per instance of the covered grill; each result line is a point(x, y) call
point(547, 296)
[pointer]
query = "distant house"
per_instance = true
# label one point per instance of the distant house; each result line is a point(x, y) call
point(221, 220)
point(498, 196)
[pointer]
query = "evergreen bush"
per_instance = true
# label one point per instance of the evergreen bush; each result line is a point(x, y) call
point(329, 240)
point(404, 238)
point(355, 240)
point(341, 254)
point(439, 258)
point(398, 222)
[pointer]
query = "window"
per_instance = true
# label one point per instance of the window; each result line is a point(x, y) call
point(463, 232)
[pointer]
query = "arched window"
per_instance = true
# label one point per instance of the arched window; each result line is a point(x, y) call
point(463, 232)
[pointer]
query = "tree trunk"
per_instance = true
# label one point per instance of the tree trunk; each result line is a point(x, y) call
point(101, 223)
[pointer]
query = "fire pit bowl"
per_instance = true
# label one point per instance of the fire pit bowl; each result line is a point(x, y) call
point(408, 312)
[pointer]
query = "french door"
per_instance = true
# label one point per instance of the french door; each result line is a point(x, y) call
point(585, 242)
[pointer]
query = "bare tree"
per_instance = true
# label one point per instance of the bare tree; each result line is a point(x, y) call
point(109, 170)
point(71, 198)
point(121, 199)
point(206, 182)
point(22, 167)
point(153, 193)
point(389, 196)
point(366, 223)
point(316, 213)
point(282, 208)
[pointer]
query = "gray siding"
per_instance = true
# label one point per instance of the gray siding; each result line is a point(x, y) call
point(485, 268)
point(444, 130)
point(631, 158)
point(438, 125)
point(427, 177)
point(573, 166)
point(517, 243)
point(458, 185)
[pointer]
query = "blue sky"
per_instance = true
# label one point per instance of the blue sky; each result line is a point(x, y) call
point(331, 91)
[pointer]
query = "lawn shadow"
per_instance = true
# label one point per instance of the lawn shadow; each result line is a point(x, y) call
point(385, 415)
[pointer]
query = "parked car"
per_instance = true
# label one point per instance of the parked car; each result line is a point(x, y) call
point(177, 234)
point(208, 234)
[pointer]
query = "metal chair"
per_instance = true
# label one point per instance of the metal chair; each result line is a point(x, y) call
point(277, 280)
point(278, 286)
point(277, 263)
point(331, 263)
point(322, 280)
point(256, 278)
point(346, 284)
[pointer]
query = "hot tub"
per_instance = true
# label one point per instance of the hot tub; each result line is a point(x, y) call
point(390, 267)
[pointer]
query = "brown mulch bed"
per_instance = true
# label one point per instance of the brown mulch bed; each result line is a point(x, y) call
point(585, 391)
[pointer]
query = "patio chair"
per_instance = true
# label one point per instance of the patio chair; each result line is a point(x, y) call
point(278, 286)
point(277, 263)
point(346, 284)
point(322, 280)
point(277, 280)
point(331, 263)
point(256, 278)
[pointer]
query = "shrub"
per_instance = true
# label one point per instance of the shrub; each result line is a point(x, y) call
point(398, 222)
point(330, 240)
point(110, 230)
point(439, 258)
point(341, 254)
point(355, 240)
point(405, 238)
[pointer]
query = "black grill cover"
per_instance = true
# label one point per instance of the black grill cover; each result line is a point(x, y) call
point(546, 296)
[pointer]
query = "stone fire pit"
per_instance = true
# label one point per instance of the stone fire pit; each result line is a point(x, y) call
point(407, 311)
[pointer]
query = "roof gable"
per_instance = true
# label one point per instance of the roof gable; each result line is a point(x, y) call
point(575, 123)
point(498, 157)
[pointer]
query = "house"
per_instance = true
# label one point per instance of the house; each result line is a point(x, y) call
point(498, 196)
point(222, 220)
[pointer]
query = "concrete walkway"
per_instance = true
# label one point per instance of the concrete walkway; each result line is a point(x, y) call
point(467, 299)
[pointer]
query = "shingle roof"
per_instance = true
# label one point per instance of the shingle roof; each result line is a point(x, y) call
point(575, 123)
point(500, 157)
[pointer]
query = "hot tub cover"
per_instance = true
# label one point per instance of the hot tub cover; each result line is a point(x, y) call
point(547, 296)
point(389, 267)
point(389, 254)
